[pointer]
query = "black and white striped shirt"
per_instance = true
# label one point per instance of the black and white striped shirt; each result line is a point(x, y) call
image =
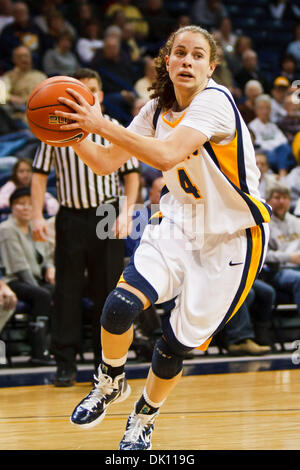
point(77, 186)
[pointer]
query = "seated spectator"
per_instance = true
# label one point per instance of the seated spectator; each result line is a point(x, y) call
point(129, 44)
point(270, 139)
point(283, 255)
point(222, 73)
point(290, 123)
point(226, 38)
point(6, 13)
point(89, 41)
point(20, 81)
point(278, 94)
point(56, 25)
point(292, 180)
point(235, 59)
point(249, 70)
point(141, 86)
point(132, 14)
point(267, 178)
point(8, 303)
point(29, 270)
point(293, 47)
point(249, 330)
point(20, 178)
point(61, 60)
point(208, 13)
point(118, 78)
point(252, 90)
point(21, 32)
point(160, 24)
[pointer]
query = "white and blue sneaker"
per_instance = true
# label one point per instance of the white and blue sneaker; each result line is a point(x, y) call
point(138, 432)
point(92, 409)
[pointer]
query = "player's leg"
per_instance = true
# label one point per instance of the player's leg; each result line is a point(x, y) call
point(165, 373)
point(121, 308)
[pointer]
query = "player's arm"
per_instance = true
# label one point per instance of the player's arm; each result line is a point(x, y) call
point(38, 189)
point(123, 224)
point(162, 155)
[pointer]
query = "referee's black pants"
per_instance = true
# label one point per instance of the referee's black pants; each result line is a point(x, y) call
point(82, 260)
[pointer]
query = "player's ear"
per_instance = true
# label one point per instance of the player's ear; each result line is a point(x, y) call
point(167, 62)
point(211, 69)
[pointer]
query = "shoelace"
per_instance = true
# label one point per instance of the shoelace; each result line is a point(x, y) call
point(103, 386)
point(135, 428)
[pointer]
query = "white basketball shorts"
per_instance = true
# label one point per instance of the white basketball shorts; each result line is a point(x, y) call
point(208, 284)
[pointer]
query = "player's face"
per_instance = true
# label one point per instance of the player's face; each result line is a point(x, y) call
point(189, 64)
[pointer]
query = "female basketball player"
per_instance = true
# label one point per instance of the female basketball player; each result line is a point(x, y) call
point(209, 246)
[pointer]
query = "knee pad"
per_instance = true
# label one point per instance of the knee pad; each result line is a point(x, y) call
point(165, 364)
point(120, 310)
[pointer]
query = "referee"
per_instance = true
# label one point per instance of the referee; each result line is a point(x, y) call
point(81, 258)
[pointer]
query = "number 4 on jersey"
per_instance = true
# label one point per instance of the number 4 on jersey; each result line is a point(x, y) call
point(187, 185)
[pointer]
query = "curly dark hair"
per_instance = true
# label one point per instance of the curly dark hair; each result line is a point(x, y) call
point(162, 87)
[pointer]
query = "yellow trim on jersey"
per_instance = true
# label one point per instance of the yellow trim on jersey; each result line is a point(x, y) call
point(262, 208)
point(174, 123)
point(256, 252)
point(227, 156)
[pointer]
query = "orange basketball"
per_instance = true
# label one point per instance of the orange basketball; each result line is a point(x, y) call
point(42, 103)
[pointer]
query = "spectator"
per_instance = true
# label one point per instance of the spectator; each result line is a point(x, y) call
point(160, 24)
point(22, 31)
point(81, 255)
point(290, 123)
point(235, 61)
point(8, 303)
point(20, 82)
point(29, 270)
point(21, 177)
point(278, 94)
point(249, 70)
point(89, 41)
point(225, 37)
point(293, 47)
point(222, 73)
point(283, 253)
point(208, 13)
point(142, 85)
point(267, 177)
point(132, 14)
point(292, 180)
point(253, 89)
point(270, 139)
point(56, 25)
point(118, 79)
point(129, 44)
point(61, 60)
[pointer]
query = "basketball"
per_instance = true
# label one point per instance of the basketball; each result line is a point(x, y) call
point(41, 106)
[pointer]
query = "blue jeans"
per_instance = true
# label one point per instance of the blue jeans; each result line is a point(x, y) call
point(240, 326)
point(288, 280)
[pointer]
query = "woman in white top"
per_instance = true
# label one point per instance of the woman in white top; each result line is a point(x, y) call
point(209, 237)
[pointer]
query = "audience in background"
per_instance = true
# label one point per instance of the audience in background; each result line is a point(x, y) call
point(119, 39)
point(19, 82)
point(29, 270)
point(21, 177)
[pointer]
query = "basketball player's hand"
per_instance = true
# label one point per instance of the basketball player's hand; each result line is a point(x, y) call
point(39, 230)
point(86, 116)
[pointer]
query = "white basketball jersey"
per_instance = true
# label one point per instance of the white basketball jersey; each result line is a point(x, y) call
point(221, 177)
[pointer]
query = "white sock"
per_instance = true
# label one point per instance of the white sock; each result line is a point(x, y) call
point(115, 362)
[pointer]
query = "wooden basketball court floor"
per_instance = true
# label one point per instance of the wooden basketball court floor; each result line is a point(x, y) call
point(220, 404)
